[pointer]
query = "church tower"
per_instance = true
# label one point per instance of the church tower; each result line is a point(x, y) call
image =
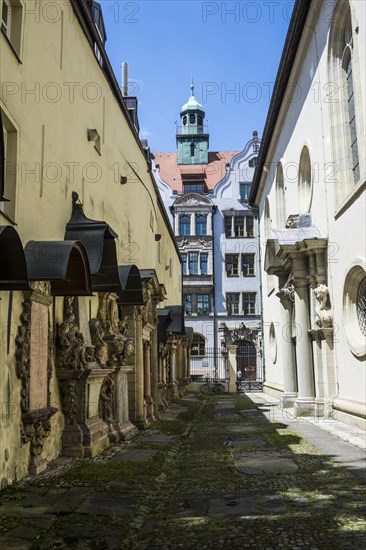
point(192, 141)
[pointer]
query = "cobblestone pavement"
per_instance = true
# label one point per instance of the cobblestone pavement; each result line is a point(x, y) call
point(212, 473)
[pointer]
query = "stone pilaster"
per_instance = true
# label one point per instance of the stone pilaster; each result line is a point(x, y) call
point(286, 296)
point(304, 404)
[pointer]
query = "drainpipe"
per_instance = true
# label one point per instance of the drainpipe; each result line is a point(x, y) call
point(214, 209)
point(255, 211)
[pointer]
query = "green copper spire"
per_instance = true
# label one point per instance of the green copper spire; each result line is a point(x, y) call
point(192, 139)
point(192, 104)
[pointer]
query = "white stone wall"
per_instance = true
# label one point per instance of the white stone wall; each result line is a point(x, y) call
point(306, 121)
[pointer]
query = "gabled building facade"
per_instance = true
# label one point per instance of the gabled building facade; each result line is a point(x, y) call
point(206, 195)
point(309, 187)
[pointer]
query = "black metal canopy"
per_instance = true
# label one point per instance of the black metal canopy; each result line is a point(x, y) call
point(98, 239)
point(171, 320)
point(63, 263)
point(13, 266)
point(131, 284)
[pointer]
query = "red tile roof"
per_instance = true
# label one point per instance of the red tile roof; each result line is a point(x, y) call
point(210, 173)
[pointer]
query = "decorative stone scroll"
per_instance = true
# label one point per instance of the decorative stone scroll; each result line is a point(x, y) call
point(323, 310)
point(34, 351)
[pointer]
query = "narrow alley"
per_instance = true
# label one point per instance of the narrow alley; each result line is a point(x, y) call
point(211, 473)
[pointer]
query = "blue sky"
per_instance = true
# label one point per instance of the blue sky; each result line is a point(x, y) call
point(231, 48)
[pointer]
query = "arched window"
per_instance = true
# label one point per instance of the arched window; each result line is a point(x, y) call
point(201, 225)
point(192, 118)
point(185, 225)
point(280, 198)
point(305, 183)
point(193, 149)
point(345, 106)
point(198, 346)
point(184, 120)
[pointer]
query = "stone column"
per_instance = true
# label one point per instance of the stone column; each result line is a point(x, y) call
point(305, 373)
point(139, 373)
point(193, 223)
point(289, 395)
point(231, 358)
point(173, 390)
point(155, 367)
point(209, 224)
point(147, 381)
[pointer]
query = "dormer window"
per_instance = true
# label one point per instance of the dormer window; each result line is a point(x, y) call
point(192, 118)
point(253, 162)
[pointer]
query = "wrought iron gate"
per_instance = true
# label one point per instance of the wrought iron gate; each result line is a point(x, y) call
point(212, 363)
point(248, 361)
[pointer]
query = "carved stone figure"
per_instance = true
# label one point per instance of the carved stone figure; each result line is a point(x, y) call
point(106, 400)
point(72, 348)
point(97, 334)
point(70, 401)
point(109, 333)
point(323, 310)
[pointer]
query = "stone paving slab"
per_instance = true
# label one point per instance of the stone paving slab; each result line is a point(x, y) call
point(242, 506)
point(67, 503)
point(273, 504)
point(189, 506)
point(155, 438)
point(246, 441)
point(107, 504)
point(134, 455)
point(226, 416)
point(241, 428)
point(265, 465)
point(10, 543)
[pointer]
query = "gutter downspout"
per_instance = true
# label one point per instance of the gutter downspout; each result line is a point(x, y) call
point(255, 210)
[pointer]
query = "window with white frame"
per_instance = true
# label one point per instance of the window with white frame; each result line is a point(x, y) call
point(249, 303)
point(232, 265)
point(253, 162)
point(232, 303)
point(187, 302)
point(11, 23)
point(10, 166)
point(203, 263)
point(245, 189)
point(238, 226)
point(198, 346)
point(201, 225)
point(184, 225)
point(184, 264)
point(247, 263)
point(203, 304)
point(193, 263)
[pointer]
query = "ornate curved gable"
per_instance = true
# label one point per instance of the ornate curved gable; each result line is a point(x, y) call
point(193, 200)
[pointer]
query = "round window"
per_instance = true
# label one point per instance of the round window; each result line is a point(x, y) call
point(354, 308)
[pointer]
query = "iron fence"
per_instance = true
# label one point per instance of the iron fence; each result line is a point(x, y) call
point(212, 365)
